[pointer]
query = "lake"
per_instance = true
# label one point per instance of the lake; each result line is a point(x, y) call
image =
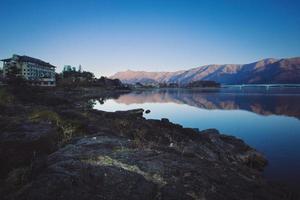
point(266, 119)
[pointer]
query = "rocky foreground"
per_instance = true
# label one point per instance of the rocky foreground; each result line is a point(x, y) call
point(52, 147)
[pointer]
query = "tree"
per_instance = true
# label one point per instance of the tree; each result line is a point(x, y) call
point(88, 75)
point(67, 68)
point(1, 75)
point(14, 76)
point(79, 68)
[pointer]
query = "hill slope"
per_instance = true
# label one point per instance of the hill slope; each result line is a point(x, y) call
point(263, 71)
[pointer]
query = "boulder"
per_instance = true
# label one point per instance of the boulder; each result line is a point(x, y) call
point(25, 143)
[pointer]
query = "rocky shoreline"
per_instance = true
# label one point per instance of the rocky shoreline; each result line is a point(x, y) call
point(53, 145)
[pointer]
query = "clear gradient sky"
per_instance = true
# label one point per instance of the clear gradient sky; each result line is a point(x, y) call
point(106, 36)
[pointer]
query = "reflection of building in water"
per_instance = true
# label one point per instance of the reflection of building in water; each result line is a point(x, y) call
point(35, 71)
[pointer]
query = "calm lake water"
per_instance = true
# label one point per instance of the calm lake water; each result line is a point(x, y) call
point(266, 119)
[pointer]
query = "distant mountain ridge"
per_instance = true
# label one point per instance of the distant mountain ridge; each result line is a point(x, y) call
point(266, 71)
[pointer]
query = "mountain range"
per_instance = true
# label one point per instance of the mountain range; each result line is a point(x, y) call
point(266, 71)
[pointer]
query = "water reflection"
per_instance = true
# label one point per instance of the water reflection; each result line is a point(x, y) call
point(275, 101)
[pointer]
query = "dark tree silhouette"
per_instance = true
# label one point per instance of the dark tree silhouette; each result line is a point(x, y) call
point(14, 77)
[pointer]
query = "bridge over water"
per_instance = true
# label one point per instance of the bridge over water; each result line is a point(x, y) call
point(267, 86)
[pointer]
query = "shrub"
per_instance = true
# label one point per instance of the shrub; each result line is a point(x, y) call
point(5, 97)
point(68, 127)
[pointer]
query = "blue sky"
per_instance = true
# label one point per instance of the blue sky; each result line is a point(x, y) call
point(106, 36)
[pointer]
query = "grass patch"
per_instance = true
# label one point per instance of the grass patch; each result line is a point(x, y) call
point(68, 127)
point(108, 161)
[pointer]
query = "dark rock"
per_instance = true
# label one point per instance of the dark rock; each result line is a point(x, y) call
point(110, 167)
point(147, 111)
point(131, 113)
point(165, 120)
point(25, 143)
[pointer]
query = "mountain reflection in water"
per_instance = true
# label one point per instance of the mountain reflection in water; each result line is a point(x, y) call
point(276, 101)
point(268, 120)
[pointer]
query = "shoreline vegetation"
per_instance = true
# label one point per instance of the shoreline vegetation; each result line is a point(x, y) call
point(54, 145)
point(191, 85)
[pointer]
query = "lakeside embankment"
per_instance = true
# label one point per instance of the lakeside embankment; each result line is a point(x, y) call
point(53, 145)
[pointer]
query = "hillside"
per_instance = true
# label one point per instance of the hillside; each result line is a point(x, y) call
point(264, 71)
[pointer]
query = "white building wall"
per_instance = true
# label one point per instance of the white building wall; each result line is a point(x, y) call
point(42, 75)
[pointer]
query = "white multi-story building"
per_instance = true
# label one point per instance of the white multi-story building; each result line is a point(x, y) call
point(35, 71)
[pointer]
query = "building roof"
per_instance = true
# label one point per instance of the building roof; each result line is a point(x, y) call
point(6, 60)
point(29, 59)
